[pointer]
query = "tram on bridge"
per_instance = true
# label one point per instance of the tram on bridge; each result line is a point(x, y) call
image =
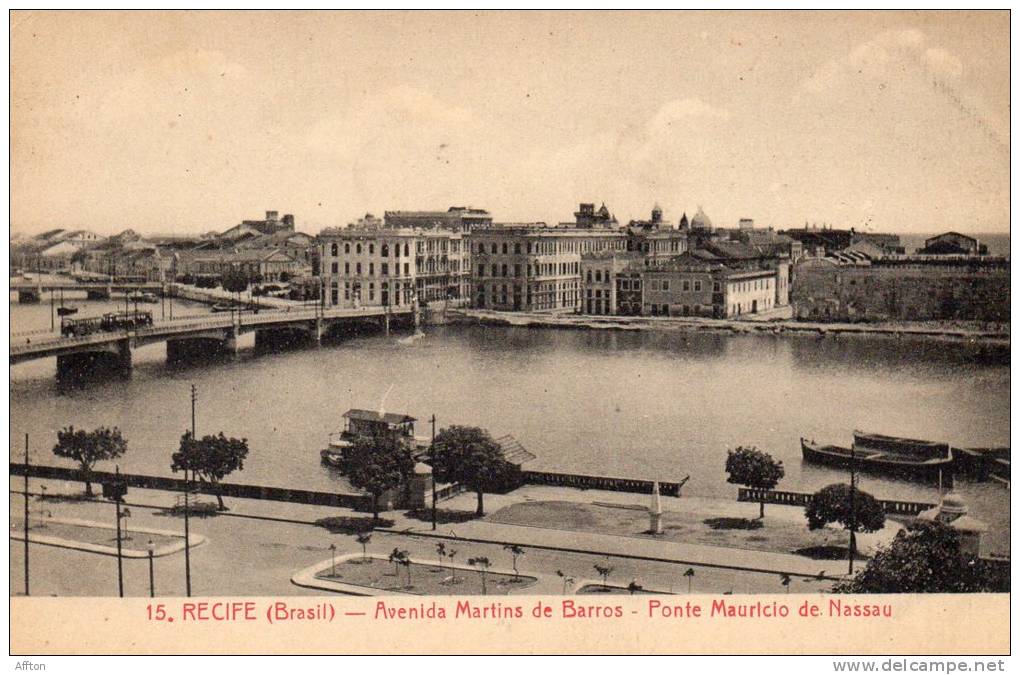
point(112, 321)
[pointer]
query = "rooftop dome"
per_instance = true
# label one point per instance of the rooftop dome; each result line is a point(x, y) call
point(700, 221)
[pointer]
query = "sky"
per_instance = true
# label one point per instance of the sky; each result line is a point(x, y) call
point(185, 122)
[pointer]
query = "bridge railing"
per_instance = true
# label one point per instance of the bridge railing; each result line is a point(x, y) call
point(895, 506)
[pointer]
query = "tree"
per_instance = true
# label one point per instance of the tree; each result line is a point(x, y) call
point(926, 558)
point(690, 578)
point(483, 565)
point(604, 571)
point(453, 569)
point(634, 587)
point(515, 551)
point(755, 469)
point(89, 447)
point(468, 455)
point(440, 553)
point(211, 458)
point(377, 463)
point(855, 510)
point(398, 558)
point(364, 538)
point(235, 281)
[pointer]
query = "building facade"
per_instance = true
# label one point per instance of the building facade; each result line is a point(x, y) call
point(393, 266)
point(457, 219)
point(534, 267)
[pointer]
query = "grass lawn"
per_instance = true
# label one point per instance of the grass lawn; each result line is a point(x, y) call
point(774, 535)
point(424, 579)
point(97, 536)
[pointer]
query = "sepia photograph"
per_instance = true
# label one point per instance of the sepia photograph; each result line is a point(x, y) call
point(550, 331)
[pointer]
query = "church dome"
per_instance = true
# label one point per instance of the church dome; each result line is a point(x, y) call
point(700, 221)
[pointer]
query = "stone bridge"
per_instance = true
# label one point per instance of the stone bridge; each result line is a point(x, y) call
point(201, 335)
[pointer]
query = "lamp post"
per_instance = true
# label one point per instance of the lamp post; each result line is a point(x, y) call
point(152, 577)
point(432, 458)
point(187, 489)
point(120, 558)
point(332, 560)
point(27, 514)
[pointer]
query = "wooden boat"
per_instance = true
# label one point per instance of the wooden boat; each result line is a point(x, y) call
point(901, 457)
point(139, 296)
point(66, 311)
point(223, 307)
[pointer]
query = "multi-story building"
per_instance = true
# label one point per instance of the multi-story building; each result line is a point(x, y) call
point(598, 279)
point(456, 218)
point(656, 239)
point(393, 266)
point(532, 266)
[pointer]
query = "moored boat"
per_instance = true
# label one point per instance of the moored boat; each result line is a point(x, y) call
point(66, 311)
point(900, 457)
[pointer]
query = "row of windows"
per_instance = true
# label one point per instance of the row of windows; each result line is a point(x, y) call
point(756, 285)
point(384, 250)
point(550, 247)
point(537, 270)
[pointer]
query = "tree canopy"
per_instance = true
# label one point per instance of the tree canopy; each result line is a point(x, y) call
point(468, 455)
point(926, 558)
point(377, 463)
point(755, 469)
point(833, 504)
point(210, 458)
point(89, 447)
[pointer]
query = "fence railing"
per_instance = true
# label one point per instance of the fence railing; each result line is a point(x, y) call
point(585, 482)
point(894, 506)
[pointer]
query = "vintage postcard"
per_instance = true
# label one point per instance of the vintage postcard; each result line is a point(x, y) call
point(511, 332)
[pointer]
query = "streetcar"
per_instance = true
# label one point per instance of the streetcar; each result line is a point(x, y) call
point(109, 322)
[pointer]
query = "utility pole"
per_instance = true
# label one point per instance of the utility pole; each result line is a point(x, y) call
point(187, 489)
point(120, 556)
point(432, 453)
point(27, 514)
point(853, 506)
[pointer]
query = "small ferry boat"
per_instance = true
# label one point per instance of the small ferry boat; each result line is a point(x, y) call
point(359, 422)
point(902, 457)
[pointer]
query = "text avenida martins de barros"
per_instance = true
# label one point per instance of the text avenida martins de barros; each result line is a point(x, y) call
point(534, 608)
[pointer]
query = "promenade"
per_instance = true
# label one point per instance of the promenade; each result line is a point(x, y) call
point(257, 546)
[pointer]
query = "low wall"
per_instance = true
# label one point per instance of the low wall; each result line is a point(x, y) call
point(338, 499)
point(893, 506)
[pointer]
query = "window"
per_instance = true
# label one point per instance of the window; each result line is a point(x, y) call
point(697, 285)
point(493, 250)
point(371, 291)
point(335, 250)
point(529, 251)
point(481, 270)
point(517, 248)
point(517, 270)
point(371, 269)
point(504, 248)
point(406, 250)
point(347, 248)
point(686, 285)
point(358, 268)
point(347, 290)
point(665, 284)
point(371, 249)
point(335, 267)
point(385, 269)
point(495, 271)
point(407, 269)
point(385, 252)
point(358, 249)
point(347, 268)
point(716, 287)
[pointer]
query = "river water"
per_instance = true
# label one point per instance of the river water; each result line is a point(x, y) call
point(658, 405)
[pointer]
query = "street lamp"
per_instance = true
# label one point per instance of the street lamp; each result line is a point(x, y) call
point(332, 559)
point(152, 578)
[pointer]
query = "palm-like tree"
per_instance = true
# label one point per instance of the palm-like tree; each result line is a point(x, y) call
point(690, 576)
point(364, 538)
point(515, 551)
point(567, 580)
point(784, 579)
point(451, 554)
point(633, 587)
point(483, 565)
point(440, 553)
point(604, 572)
point(397, 557)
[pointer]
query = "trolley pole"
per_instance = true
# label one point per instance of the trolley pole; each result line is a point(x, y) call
point(27, 514)
point(187, 489)
point(120, 553)
point(432, 453)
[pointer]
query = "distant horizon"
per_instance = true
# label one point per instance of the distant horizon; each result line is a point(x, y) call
point(883, 121)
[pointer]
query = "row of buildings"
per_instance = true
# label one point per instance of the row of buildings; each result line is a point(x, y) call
point(592, 264)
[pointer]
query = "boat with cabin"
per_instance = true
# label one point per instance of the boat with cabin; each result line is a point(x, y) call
point(907, 458)
point(358, 422)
